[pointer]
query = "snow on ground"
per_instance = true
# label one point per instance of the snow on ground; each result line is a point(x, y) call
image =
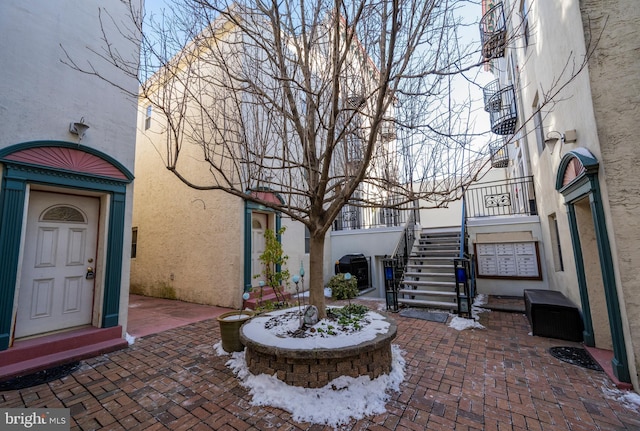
point(341, 400)
point(219, 350)
point(284, 322)
point(130, 338)
point(629, 399)
point(461, 323)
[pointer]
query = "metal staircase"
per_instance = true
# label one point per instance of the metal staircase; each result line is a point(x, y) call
point(429, 279)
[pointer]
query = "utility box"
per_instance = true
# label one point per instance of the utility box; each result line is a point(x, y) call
point(553, 315)
point(357, 265)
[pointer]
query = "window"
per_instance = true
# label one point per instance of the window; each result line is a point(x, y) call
point(63, 214)
point(555, 243)
point(537, 122)
point(524, 12)
point(307, 240)
point(147, 120)
point(134, 242)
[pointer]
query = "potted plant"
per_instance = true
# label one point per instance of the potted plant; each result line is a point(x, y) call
point(230, 324)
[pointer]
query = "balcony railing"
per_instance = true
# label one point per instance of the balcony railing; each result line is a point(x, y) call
point(500, 103)
point(499, 153)
point(493, 32)
point(353, 217)
point(510, 197)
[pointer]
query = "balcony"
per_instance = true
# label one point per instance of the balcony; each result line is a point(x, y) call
point(500, 103)
point(493, 32)
point(511, 197)
point(499, 153)
point(353, 217)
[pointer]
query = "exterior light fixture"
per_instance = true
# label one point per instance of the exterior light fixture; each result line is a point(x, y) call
point(79, 128)
point(555, 136)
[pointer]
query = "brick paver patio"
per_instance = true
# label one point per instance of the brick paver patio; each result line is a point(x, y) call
point(500, 378)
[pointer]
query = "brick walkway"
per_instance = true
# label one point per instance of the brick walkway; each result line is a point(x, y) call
point(500, 378)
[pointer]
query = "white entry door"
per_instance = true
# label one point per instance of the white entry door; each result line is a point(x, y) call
point(258, 226)
point(60, 246)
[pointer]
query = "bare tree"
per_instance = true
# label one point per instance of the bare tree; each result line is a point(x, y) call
point(324, 103)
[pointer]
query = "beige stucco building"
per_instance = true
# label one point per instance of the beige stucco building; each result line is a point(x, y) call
point(573, 69)
point(202, 244)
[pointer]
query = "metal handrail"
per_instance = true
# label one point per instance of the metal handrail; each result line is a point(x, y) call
point(514, 196)
point(463, 227)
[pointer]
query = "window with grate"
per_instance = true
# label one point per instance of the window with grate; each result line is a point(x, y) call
point(134, 242)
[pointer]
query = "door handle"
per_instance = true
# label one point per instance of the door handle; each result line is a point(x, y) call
point(90, 273)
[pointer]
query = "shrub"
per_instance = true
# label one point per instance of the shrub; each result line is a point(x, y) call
point(343, 288)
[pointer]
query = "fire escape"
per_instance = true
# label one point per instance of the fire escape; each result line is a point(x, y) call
point(499, 100)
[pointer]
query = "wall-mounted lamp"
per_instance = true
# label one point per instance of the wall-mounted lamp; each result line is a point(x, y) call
point(554, 136)
point(78, 128)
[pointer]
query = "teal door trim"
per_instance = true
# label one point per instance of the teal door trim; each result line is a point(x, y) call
point(16, 176)
point(249, 208)
point(587, 334)
point(586, 184)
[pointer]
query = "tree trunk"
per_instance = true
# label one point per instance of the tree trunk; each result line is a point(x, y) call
point(316, 273)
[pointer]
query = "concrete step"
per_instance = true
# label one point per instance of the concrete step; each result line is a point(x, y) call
point(429, 274)
point(40, 353)
point(257, 300)
point(436, 252)
point(440, 259)
point(428, 304)
point(422, 283)
point(415, 268)
point(416, 292)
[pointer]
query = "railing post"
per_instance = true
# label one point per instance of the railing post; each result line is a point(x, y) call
point(463, 297)
point(391, 283)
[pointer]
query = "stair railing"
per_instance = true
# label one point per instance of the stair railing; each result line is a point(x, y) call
point(464, 268)
point(394, 266)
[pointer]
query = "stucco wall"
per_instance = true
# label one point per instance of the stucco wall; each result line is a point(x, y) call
point(190, 242)
point(41, 96)
point(601, 104)
point(615, 84)
point(506, 227)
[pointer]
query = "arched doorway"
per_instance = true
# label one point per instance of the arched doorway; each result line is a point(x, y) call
point(51, 190)
point(577, 181)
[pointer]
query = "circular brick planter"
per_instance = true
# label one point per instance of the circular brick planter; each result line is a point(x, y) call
point(314, 367)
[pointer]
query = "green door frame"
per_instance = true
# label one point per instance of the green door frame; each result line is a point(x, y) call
point(584, 183)
point(16, 175)
point(249, 208)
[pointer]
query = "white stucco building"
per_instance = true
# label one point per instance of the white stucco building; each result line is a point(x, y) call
point(66, 159)
point(570, 71)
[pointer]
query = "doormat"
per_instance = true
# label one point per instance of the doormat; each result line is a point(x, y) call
point(576, 356)
point(40, 377)
point(431, 316)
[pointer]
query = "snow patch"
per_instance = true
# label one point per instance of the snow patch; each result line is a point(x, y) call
point(629, 399)
point(130, 338)
point(219, 350)
point(335, 404)
point(460, 323)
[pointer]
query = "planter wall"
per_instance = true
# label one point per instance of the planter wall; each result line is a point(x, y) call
point(317, 367)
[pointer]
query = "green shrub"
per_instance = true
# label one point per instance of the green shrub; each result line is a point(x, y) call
point(342, 288)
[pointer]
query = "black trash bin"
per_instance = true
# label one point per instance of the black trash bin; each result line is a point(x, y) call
point(356, 265)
